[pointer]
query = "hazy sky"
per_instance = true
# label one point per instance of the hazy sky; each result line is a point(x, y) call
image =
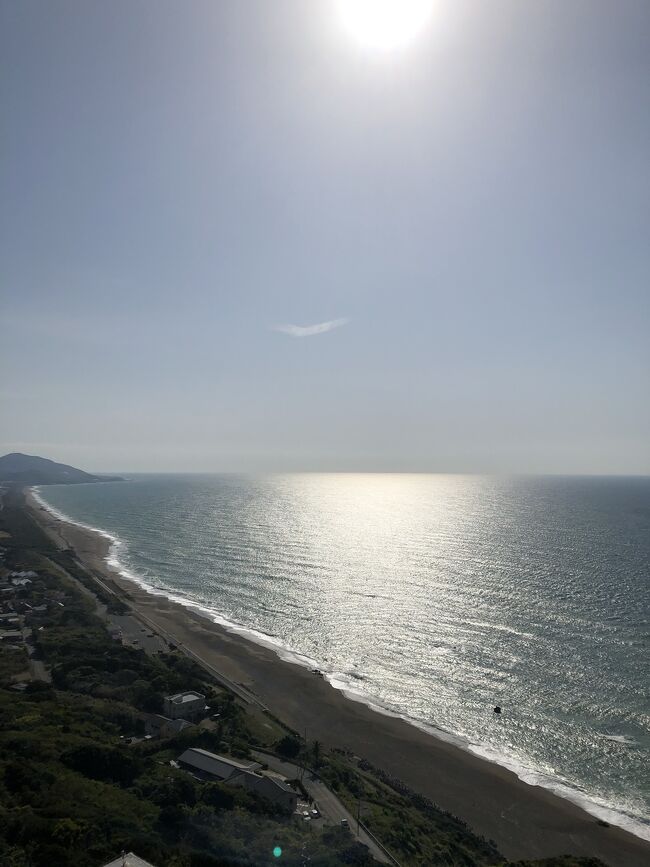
point(233, 237)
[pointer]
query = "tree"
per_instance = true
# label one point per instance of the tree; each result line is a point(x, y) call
point(66, 833)
point(215, 796)
point(102, 763)
point(288, 746)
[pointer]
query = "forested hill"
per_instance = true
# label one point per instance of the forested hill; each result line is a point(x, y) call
point(34, 470)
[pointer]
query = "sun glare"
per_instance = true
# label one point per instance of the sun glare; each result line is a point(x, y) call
point(384, 24)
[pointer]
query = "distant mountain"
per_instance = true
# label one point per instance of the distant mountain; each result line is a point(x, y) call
point(32, 470)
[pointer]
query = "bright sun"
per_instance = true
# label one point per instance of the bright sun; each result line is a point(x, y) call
point(384, 24)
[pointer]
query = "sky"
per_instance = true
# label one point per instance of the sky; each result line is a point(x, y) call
point(236, 237)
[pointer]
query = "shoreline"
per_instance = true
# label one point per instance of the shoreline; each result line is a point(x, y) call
point(525, 821)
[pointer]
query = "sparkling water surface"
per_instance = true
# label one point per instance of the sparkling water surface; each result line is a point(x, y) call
point(434, 596)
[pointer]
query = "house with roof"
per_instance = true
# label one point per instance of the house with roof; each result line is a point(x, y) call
point(9, 620)
point(276, 790)
point(209, 766)
point(128, 859)
point(158, 726)
point(11, 636)
point(185, 705)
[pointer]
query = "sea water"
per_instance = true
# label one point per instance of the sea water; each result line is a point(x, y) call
point(435, 597)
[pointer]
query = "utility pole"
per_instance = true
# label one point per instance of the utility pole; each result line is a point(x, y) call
point(304, 758)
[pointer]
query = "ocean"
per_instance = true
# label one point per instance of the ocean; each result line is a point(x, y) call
point(431, 596)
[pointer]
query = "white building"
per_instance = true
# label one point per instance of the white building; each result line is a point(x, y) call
point(184, 705)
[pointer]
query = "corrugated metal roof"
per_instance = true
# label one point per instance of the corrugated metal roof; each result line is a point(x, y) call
point(268, 787)
point(218, 766)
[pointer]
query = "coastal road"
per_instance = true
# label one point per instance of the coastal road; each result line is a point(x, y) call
point(330, 807)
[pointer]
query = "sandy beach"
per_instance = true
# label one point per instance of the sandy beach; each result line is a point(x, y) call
point(525, 821)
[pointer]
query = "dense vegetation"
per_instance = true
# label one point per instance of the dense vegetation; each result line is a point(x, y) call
point(78, 783)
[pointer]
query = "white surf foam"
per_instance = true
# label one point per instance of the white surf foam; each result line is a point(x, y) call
point(613, 814)
point(620, 739)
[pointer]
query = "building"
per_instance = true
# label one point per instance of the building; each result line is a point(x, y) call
point(185, 705)
point(9, 621)
point(157, 726)
point(273, 788)
point(11, 636)
point(209, 766)
point(128, 859)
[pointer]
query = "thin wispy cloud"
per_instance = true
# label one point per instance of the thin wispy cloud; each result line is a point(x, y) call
point(310, 330)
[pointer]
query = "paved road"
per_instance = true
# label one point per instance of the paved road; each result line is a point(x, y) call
point(329, 806)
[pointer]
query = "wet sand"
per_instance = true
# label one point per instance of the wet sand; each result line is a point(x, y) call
point(524, 821)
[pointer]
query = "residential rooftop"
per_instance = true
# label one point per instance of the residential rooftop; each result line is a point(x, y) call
point(128, 859)
point(218, 766)
point(182, 697)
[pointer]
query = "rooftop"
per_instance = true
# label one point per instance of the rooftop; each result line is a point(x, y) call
point(128, 860)
point(218, 766)
point(181, 697)
point(281, 784)
point(176, 724)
